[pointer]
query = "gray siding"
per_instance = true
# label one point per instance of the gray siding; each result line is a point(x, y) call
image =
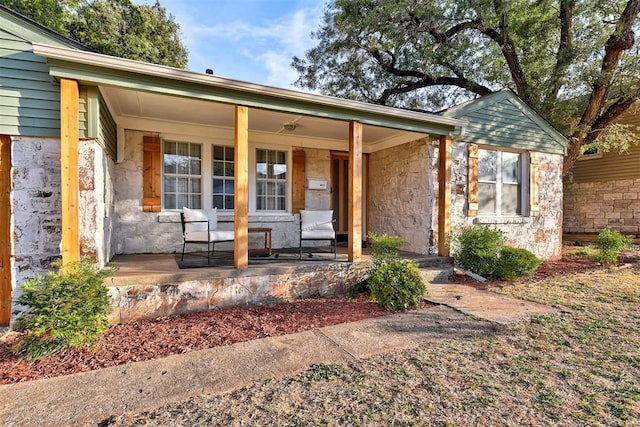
point(29, 101)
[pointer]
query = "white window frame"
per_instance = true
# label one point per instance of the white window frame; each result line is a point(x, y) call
point(524, 183)
point(206, 177)
point(224, 178)
point(165, 174)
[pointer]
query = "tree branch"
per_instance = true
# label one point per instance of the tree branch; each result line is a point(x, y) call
point(564, 55)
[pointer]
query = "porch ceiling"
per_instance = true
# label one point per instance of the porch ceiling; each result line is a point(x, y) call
point(140, 105)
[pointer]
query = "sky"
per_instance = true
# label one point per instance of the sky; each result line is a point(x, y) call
point(250, 40)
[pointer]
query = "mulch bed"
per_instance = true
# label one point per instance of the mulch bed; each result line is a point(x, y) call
point(151, 339)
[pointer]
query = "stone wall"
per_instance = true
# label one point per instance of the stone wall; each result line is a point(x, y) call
point(542, 234)
point(593, 206)
point(96, 202)
point(35, 207)
point(135, 231)
point(402, 194)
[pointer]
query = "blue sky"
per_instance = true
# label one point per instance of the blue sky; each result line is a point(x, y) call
point(251, 40)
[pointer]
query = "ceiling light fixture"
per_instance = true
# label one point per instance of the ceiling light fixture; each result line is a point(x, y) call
point(290, 126)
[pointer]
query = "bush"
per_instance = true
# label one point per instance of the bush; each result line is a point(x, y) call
point(384, 248)
point(394, 283)
point(63, 309)
point(609, 244)
point(397, 284)
point(515, 263)
point(478, 249)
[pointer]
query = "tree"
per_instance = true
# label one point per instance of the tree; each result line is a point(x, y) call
point(113, 27)
point(573, 61)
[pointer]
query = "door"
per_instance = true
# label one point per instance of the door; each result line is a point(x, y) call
point(340, 193)
point(5, 230)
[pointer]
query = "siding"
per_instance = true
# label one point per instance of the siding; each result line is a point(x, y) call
point(503, 120)
point(611, 166)
point(107, 129)
point(29, 101)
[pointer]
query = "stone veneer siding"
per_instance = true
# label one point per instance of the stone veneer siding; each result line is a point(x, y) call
point(593, 206)
point(402, 194)
point(542, 234)
point(136, 231)
point(36, 205)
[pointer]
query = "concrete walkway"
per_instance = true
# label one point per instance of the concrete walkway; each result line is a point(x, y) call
point(97, 395)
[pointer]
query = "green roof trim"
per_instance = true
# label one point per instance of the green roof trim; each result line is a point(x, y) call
point(504, 119)
point(96, 69)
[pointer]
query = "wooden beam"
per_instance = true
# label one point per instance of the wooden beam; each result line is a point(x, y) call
point(69, 176)
point(5, 230)
point(241, 188)
point(444, 195)
point(355, 192)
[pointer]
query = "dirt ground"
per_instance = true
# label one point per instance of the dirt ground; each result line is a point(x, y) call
point(145, 340)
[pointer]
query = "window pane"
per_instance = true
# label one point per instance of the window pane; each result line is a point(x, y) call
point(182, 185)
point(218, 186)
point(169, 184)
point(486, 198)
point(229, 154)
point(510, 167)
point(218, 152)
point(217, 202)
point(182, 200)
point(228, 169)
point(510, 199)
point(228, 200)
point(228, 186)
point(261, 170)
point(218, 169)
point(281, 188)
point(170, 201)
point(487, 165)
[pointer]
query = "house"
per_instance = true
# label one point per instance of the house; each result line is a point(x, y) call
point(603, 190)
point(507, 172)
point(98, 155)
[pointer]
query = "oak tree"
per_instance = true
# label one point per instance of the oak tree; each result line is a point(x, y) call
point(575, 62)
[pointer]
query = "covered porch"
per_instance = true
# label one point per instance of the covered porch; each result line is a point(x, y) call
point(128, 128)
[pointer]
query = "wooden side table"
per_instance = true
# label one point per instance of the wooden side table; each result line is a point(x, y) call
point(266, 250)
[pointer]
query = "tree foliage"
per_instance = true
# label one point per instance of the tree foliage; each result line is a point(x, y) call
point(113, 27)
point(573, 61)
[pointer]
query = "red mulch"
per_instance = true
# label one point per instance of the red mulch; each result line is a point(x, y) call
point(151, 339)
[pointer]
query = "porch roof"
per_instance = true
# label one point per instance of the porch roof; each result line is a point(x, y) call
point(106, 71)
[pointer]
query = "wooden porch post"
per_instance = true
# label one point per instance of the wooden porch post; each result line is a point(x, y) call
point(69, 170)
point(355, 192)
point(444, 194)
point(5, 230)
point(241, 188)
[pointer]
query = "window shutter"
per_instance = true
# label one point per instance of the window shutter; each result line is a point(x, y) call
point(472, 181)
point(534, 177)
point(151, 164)
point(298, 183)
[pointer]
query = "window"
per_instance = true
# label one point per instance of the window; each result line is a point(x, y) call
point(499, 183)
point(271, 180)
point(182, 175)
point(591, 153)
point(223, 177)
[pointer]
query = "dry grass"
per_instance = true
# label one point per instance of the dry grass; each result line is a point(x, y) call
point(579, 367)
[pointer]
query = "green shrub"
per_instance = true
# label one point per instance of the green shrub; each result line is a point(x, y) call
point(397, 284)
point(515, 263)
point(63, 309)
point(609, 244)
point(478, 249)
point(384, 248)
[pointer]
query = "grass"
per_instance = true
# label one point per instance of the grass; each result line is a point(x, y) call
point(579, 367)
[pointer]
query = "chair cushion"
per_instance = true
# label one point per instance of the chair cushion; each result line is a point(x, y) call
point(210, 215)
point(212, 236)
point(316, 220)
point(316, 224)
point(318, 234)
